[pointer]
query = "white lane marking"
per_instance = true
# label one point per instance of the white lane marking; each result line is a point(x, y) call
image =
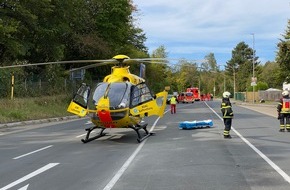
point(117, 176)
point(85, 134)
point(24, 188)
point(88, 122)
point(40, 170)
point(32, 152)
point(80, 135)
point(262, 155)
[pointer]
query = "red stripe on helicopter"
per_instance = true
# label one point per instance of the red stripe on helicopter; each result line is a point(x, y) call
point(106, 119)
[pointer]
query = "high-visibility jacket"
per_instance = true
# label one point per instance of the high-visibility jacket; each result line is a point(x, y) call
point(226, 108)
point(284, 105)
point(173, 100)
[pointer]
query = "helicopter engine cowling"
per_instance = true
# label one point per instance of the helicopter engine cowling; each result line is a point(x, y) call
point(122, 74)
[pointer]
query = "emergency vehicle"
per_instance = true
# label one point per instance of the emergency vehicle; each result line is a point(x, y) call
point(188, 98)
point(181, 97)
point(195, 91)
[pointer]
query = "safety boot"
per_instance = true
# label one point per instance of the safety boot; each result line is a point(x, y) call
point(227, 136)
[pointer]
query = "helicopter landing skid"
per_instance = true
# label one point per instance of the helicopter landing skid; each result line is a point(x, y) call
point(141, 126)
point(89, 130)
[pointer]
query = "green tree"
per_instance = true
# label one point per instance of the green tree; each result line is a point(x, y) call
point(34, 31)
point(211, 63)
point(189, 73)
point(270, 74)
point(157, 74)
point(260, 86)
point(242, 64)
point(18, 24)
point(283, 56)
point(209, 75)
point(45, 30)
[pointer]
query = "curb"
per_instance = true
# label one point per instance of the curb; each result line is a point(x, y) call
point(39, 121)
point(257, 104)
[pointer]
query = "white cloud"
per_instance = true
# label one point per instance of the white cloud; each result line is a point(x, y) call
point(217, 26)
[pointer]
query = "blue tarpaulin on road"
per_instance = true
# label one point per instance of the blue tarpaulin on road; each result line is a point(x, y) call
point(196, 124)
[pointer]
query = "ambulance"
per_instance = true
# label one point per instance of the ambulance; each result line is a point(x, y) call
point(195, 92)
point(188, 98)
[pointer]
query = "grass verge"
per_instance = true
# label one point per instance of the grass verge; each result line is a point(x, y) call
point(33, 108)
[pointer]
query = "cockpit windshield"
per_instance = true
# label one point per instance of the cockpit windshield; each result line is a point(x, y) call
point(118, 94)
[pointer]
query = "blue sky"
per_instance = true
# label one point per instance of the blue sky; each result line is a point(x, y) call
point(192, 29)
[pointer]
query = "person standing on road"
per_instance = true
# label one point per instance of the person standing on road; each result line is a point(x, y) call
point(283, 110)
point(173, 102)
point(227, 111)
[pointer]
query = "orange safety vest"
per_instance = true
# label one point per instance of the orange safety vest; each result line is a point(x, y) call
point(285, 106)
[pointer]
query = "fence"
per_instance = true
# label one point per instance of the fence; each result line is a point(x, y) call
point(35, 88)
point(258, 96)
point(240, 96)
point(270, 95)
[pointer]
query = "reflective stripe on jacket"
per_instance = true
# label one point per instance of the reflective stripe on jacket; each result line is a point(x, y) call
point(226, 108)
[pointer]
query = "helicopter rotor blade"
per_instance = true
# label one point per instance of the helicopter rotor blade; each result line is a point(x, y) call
point(167, 60)
point(55, 62)
point(94, 65)
point(97, 63)
point(125, 62)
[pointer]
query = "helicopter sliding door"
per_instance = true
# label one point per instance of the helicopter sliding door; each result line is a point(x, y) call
point(79, 103)
point(143, 103)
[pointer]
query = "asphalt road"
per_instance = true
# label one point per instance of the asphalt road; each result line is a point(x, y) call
point(52, 157)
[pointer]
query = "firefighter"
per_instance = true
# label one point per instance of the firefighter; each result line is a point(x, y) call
point(173, 101)
point(226, 109)
point(283, 110)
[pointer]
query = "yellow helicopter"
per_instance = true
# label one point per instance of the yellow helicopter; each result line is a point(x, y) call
point(122, 100)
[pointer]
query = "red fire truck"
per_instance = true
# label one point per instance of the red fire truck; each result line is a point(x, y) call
point(181, 97)
point(185, 97)
point(195, 91)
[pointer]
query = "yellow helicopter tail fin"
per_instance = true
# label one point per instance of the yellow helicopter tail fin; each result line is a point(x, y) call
point(76, 109)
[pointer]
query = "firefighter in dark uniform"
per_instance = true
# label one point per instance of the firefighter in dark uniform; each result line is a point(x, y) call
point(226, 108)
point(283, 110)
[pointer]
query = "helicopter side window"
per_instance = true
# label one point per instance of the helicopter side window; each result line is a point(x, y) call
point(135, 96)
point(81, 96)
point(140, 94)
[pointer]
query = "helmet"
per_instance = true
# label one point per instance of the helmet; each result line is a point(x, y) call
point(285, 93)
point(226, 94)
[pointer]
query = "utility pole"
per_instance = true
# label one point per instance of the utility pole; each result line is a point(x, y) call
point(253, 79)
point(234, 82)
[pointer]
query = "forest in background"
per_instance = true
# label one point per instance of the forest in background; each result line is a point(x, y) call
point(36, 31)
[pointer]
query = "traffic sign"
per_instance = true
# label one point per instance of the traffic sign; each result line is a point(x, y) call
point(253, 84)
